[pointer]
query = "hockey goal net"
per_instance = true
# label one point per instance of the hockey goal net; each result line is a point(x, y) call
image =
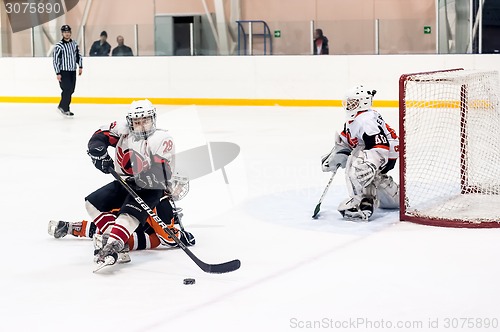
point(450, 148)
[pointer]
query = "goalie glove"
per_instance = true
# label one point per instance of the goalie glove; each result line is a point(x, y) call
point(101, 159)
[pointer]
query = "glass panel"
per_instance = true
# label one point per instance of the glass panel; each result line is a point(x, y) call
point(92, 34)
point(349, 37)
point(20, 44)
point(406, 37)
point(182, 39)
point(346, 37)
point(454, 26)
point(491, 27)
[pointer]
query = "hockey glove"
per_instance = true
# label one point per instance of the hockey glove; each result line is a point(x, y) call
point(102, 161)
point(147, 180)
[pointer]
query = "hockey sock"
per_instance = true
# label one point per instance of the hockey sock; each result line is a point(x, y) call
point(124, 225)
point(104, 221)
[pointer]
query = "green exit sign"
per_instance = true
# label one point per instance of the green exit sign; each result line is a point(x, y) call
point(277, 33)
point(427, 29)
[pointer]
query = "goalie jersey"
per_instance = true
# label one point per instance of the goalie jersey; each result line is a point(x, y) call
point(368, 131)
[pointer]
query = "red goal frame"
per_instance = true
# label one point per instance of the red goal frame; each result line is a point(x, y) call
point(465, 188)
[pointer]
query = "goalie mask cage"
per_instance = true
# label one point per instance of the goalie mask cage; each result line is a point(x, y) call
point(450, 148)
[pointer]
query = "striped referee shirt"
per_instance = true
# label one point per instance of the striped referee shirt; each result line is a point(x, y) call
point(66, 56)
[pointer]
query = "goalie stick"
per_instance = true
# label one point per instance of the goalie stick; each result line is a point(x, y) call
point(318, 206)
point(209, 268)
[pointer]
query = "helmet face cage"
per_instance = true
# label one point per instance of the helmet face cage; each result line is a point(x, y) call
point(356, 100)
point(141, 119)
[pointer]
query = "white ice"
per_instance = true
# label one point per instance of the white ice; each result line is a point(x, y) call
point(296, 273)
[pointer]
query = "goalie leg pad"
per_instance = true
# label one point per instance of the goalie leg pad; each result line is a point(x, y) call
point(362, 201)
point(360, 176)
point(387, 192)
point(364, 171)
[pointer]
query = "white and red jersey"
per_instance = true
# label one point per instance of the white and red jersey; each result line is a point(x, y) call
point(369, 131)
point(133, 155)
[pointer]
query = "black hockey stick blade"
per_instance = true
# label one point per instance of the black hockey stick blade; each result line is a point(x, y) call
point(316, 211)
point(218, 268)
point(209, 268)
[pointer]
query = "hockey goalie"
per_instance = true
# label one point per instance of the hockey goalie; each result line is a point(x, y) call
point(368, 149)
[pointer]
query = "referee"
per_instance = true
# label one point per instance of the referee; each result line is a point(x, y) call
point(66, 58)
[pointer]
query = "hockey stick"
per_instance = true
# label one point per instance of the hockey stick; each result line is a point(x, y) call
point(177, 218)
point(316, 210)
point(209, 268)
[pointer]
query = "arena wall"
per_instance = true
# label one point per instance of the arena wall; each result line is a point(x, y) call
point(246, 80)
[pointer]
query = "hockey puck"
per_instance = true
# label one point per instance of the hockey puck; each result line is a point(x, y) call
point(189, 281)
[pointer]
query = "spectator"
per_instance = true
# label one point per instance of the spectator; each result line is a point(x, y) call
point(66, 60)
point(101, 47)
point(121, 49)
point(320, 44)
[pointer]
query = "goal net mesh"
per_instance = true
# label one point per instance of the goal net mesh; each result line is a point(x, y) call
point(450, 156)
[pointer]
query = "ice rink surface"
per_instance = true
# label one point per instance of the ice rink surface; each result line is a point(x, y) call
point(296, 273)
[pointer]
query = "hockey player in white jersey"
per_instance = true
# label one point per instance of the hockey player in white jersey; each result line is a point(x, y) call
point(144, 155)
point(367, 148)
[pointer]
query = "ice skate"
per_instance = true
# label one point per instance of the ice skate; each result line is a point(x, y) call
point(66, 114)
point(109, 252)
point(59, 228)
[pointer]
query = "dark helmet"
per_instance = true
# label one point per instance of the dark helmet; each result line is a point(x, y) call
point(65, 28)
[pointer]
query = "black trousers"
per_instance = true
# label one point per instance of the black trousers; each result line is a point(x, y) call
point(114, 196)
point(67, 84)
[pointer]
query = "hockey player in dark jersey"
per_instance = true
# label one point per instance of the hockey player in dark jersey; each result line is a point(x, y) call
point(144, 157)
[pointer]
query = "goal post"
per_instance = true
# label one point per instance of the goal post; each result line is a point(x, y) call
point(450, 148)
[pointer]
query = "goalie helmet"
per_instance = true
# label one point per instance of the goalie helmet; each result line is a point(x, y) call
point(356, 100)
point(141, 119)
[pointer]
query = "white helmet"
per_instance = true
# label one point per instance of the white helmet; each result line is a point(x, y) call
point(356, 100)
point(141, 119)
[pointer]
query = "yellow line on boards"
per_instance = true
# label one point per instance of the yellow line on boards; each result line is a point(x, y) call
point(194, 101)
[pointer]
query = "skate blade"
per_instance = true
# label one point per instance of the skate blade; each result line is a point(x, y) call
point(108, 261)
point(64, 115)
